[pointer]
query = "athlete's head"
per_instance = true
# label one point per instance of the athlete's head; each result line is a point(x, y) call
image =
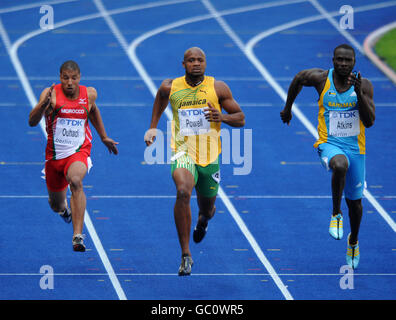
point(194, 62)
point(344, 59)
point(70, 77)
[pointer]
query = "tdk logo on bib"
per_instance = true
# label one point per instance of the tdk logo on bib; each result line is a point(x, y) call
point(72, 122)
point(346, 115)
point(344, 123)
point(192, 112)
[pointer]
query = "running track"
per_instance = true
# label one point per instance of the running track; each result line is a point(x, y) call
point(269, 238)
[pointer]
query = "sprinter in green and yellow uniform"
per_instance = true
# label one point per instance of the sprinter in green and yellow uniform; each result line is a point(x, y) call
point(197, 102)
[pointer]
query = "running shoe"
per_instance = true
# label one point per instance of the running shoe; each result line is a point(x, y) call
point(199, 232)
point(185, 266)
point(336, 228)
point(353, 254)
point(66, 215)
point(78, 242)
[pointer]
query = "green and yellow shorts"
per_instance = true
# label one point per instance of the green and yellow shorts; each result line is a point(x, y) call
point(207, 179)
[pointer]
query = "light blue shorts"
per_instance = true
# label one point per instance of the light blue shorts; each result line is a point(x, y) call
point(356, 174)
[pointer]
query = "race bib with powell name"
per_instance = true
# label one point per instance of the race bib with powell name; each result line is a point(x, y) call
point(193, 122)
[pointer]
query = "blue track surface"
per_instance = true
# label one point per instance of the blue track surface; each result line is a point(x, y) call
point(269, 238)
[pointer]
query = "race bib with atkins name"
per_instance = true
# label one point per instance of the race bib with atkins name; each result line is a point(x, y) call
point(344, 123)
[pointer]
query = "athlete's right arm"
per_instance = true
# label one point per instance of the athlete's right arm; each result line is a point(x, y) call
point(305, 78)
point(160, 104)
point(44, 104)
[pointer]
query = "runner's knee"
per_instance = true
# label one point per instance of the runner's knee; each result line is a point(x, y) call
point(207, 212)
point(75, 183)
point(340, 166)
point(354, 205)
point(183, 194)
point(57, 207)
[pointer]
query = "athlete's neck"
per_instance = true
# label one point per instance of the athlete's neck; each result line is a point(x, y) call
point(72, 95)
point(194, 81)
point(341, 82)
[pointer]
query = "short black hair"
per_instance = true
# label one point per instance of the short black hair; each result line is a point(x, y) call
point(345, 46)
point(193, 49)
point(71, 65)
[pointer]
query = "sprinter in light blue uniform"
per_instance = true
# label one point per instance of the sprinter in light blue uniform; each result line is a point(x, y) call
point(341, 132)
point(346, 108)
point(339, 120)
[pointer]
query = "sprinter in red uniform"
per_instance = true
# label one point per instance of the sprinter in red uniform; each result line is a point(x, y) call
point(67, 107)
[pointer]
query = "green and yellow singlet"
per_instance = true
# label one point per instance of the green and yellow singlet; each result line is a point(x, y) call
point(191, 132)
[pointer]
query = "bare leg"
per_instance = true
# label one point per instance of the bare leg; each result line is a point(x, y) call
point(207, 208)
point(339, 166)
point(355, 217)
point(184, 182)
point(75, 176)
point(57, 200)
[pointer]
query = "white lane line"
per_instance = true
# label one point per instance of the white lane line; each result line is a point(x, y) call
point(33, 5)
point(135, 43)
point(81, 20)
point(198, 274)
point(230, 32)
point(368, 45)
point(251, 56)
point(254, 40)
point(243, 104)
point(13, 50)
point(159, 78)
point(103, 256)
point(150, 84)
point(239, 197)
point(33, 101)
point(357, 45)
point(27, 163)
point(283, 94)
point(21, 40)
point(20, 72)
point(336, 25)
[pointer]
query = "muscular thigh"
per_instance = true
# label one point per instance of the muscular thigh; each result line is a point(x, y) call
point(54, 176)
point(331, 155)
point(355, 177)
point(184, 173)
point(208, 180)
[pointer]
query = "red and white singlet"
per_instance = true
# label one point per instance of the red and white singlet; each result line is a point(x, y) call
point(67, 126)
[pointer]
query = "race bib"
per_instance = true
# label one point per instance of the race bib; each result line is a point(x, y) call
point(69, 133)
point(344, 123)
point(193, 122)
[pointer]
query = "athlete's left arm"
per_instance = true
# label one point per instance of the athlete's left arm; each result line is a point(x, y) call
point(364, 92)
point(234, 116)
point(97, 122)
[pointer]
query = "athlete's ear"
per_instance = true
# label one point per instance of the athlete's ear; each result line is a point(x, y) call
point(183, 64)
